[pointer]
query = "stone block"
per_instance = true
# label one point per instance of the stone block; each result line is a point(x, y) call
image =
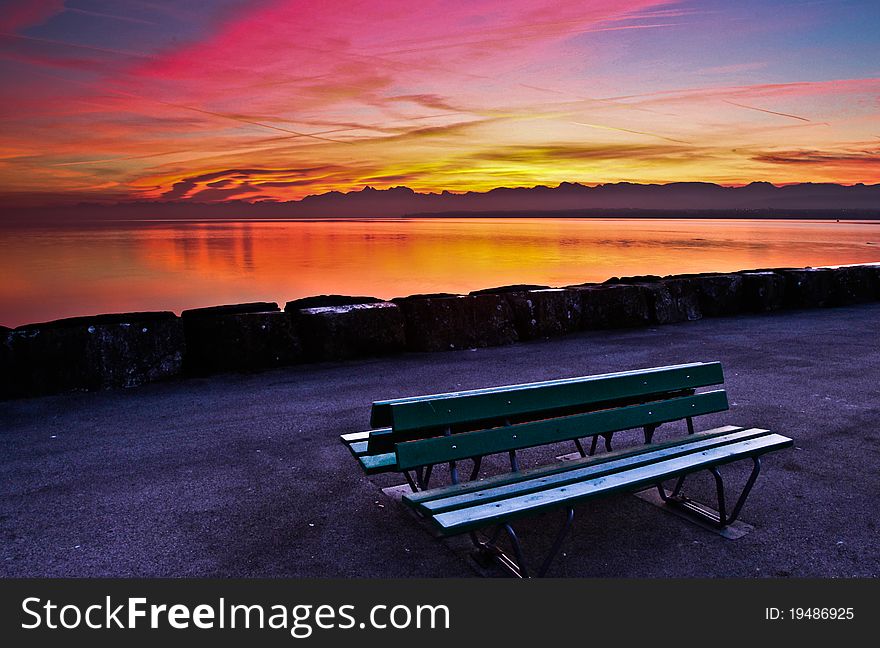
point(351, 331)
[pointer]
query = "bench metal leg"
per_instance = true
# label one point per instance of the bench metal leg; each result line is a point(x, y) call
point(516, 564)
point(719, 518)
point(453, 472)
point(424, 475)
point(419, 478)
point(756, 469)
point(595, 441)
point(557, 544)
point(580, 447)
point(519, 567)
point(478, 461)
point(676, 490)
point(475, 471)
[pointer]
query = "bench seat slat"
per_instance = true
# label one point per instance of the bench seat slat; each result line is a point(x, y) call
point(359, 442)
point(551, 469)
point(524, 435)
point(475, 517)
point(439, 410)
point(580, 472)
point(358, 448)
point(352, 437)
point(373, 464)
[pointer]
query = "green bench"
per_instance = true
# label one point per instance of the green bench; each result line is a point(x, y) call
point(412, 435)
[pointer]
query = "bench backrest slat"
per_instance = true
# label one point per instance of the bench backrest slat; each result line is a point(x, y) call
point(525, 435)
point(432, 412)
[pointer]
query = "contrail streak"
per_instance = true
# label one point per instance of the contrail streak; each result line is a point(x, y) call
point(98, 14)
point(769, 112)
point(252, 122)
point(103, 50)
point(117, 159)
point(130, 95)
point(627, 130)
point(608, 102)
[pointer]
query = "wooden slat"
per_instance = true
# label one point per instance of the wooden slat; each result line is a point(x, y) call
point(577, 474)
point(380, 441)
point(475, 517)
point(414, 499)
point(525, 435)
point(351, 437)
point(358, 442)
point(373, 464)
point(358, 448)
point(439, 410)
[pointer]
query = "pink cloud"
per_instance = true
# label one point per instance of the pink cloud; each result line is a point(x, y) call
point(368, 47)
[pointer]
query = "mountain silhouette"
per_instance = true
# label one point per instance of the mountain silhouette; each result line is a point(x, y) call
point(684, 199)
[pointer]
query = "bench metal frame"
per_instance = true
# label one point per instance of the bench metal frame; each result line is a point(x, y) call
point(516, 565)
point(487, 546)
point(719, 517)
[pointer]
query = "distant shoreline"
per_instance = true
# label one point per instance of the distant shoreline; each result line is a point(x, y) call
point(567, 200)
point(867, 216)
point(677, 214)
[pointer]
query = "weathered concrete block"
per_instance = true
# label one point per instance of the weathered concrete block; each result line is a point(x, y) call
point(809, 287)
point(854, 285)
point(875, 271)
point(350, 331)
point(763, 291)
point(614, 306)
point(133, 353)
point(6, 375)
point(323, 301)
point(437, 323)
point(673, 300)
point(545, 312)
point(228, 309)
point(718, 294)
point(219, 340)
point(119, 350)
point(635, 279)
point(513, 288)
point(425, 296)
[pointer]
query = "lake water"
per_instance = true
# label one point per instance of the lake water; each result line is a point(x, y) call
point(48, 273)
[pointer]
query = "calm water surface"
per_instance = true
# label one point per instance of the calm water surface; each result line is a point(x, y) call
point(48, 273)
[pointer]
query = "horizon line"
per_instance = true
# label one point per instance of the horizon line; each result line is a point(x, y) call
point(371, 188)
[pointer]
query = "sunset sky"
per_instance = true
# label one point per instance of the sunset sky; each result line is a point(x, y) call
point(276, 99)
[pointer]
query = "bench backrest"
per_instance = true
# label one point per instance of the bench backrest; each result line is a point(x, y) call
point(425, 430)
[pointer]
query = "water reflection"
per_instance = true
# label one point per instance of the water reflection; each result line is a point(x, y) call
point(58, 272)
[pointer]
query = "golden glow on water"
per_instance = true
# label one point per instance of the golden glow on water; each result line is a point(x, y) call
point(56, 272)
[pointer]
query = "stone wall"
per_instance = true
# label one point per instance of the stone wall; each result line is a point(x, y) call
point(129, 349)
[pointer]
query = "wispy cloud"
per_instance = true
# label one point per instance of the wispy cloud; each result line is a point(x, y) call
point(858, 158)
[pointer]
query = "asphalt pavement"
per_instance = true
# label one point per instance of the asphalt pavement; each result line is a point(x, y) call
point(244, 476)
